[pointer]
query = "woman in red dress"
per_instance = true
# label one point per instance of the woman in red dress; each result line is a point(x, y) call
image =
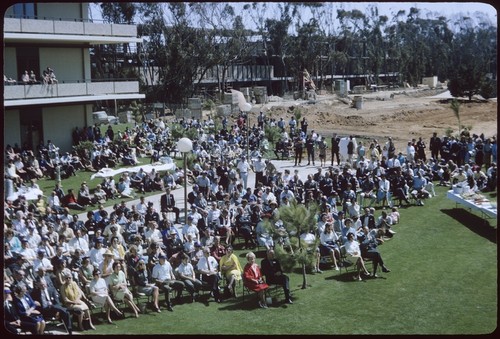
point(253, 279)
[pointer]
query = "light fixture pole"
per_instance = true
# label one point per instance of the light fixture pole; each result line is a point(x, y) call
point(185, 145)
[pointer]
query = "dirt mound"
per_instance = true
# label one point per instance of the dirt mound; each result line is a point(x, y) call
point(403, 114)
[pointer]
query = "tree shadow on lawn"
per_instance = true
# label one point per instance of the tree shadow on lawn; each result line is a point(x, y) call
point(250, 303)
point(348, 277)
point(473, 222)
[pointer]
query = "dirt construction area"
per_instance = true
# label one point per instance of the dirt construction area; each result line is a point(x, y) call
point(403, 114)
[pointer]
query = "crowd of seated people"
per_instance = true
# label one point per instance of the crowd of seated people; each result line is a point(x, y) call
point(140, 243)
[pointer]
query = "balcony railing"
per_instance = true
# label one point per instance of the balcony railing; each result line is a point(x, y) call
point(37, 91)
point(73, 27)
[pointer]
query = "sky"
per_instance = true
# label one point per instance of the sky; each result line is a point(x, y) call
point(443, 7)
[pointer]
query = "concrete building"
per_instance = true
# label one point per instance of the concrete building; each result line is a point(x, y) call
point(59, 36)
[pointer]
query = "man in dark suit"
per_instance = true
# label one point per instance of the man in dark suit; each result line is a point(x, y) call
point(50, 302)
point(167, 203)
point(11, 319)
point(271, 269)
point(368, 219)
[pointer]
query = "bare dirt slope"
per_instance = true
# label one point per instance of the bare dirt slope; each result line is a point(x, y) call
point(403, 114)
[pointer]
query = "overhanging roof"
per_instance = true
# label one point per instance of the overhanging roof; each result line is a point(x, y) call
point(71, 100)
point(67, 39)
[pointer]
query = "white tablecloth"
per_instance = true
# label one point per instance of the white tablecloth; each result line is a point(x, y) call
point(110, 172)
point(29, 193)
point(485, 207)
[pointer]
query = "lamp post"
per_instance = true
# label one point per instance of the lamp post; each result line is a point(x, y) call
point(246, 107)
point(185, 145)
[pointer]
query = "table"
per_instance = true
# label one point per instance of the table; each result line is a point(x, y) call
point(486, 208)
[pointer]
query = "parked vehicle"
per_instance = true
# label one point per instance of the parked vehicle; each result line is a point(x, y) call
point(102, 118)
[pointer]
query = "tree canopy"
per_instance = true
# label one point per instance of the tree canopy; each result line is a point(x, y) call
point(184, 41)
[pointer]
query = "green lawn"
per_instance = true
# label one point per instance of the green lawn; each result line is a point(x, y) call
point(47, 185)
point(443, 281)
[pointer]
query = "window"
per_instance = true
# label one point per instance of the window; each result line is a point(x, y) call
point(22, 10)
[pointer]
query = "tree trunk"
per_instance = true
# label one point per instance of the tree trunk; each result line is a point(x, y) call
point(304, 277)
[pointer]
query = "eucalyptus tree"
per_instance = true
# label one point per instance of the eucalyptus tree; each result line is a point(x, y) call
point(106, 56)
point(228, 36)
point(280, 42)
point(375, 42)
point(350, 43)
point(177, 50)
point(473, 59)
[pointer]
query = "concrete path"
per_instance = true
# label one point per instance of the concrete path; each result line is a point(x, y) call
point(178, 193)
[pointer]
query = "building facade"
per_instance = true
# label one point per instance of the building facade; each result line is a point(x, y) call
point(58, 36)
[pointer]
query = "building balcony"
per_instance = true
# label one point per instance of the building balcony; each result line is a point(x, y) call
point(50, 31)
point(20, 95)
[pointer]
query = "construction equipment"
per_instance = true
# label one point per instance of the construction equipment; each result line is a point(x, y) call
point(308, 81)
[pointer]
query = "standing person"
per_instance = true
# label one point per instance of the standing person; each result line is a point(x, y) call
point(310, 149)
point(303, 125)
point(322, 152)
point(253, 279)
point(435, 146)
point(298, 148)
point(335, 149)
point(260, 120)
point(350, 150)
point(271, 269)
point(243, 168)
point(258, 167)
point(391, 149)
point(420, 149)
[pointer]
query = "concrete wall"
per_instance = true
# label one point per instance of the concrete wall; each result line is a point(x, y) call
point(12, 134)
point(59, 122)
point(430, 81)
point(67, 63)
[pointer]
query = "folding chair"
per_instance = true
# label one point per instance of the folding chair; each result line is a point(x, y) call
point(347, 262)
point(142, 300)
point(53, 321)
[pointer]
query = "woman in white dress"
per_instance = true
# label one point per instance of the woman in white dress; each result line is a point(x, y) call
point(354, 252)
point(100, 295)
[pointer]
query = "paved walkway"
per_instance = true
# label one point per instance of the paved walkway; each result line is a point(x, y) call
point(178, 193)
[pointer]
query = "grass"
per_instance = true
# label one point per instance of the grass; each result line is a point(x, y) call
point(443, 281)
point(47, 185)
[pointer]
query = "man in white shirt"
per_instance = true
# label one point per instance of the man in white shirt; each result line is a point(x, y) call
point(96, 254)
point(243, 168)
point(141, 207)
point(384, 193)
point(78, 242)
point(164, 277)
point(190, 228)
point(41, 261)
point(54, 202)
point(208, 267)
point(259, 167)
